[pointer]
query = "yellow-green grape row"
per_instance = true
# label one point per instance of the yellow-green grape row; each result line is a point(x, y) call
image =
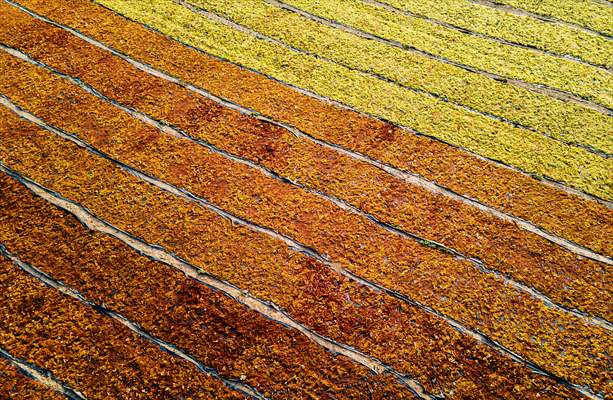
point(509, 61)
point(558, 39)
point(562, 120)
point(525, 149)
point(588, 13)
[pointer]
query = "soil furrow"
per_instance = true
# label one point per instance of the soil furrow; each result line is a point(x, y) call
point(20, 380)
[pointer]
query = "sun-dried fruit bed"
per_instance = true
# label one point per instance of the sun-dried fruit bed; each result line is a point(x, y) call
point(403, 67)
point(595, 15)
point(427, 275)
point(215, 227)
point(556, 38)
point(266, 267)
point(537, 262)
point(584, 221)
point(574, 166)
point(508, 61)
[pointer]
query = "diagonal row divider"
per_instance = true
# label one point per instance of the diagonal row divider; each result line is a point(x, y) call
point(38, 374)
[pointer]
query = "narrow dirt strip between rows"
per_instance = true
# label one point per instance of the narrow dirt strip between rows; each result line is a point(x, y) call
point(291, 31)
point(528, 34)
point(245, 346)
point(20, 380)
point(96, 355)
point(574, 217)
point(251, 185)
point(344, 311)
point(187, 239)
